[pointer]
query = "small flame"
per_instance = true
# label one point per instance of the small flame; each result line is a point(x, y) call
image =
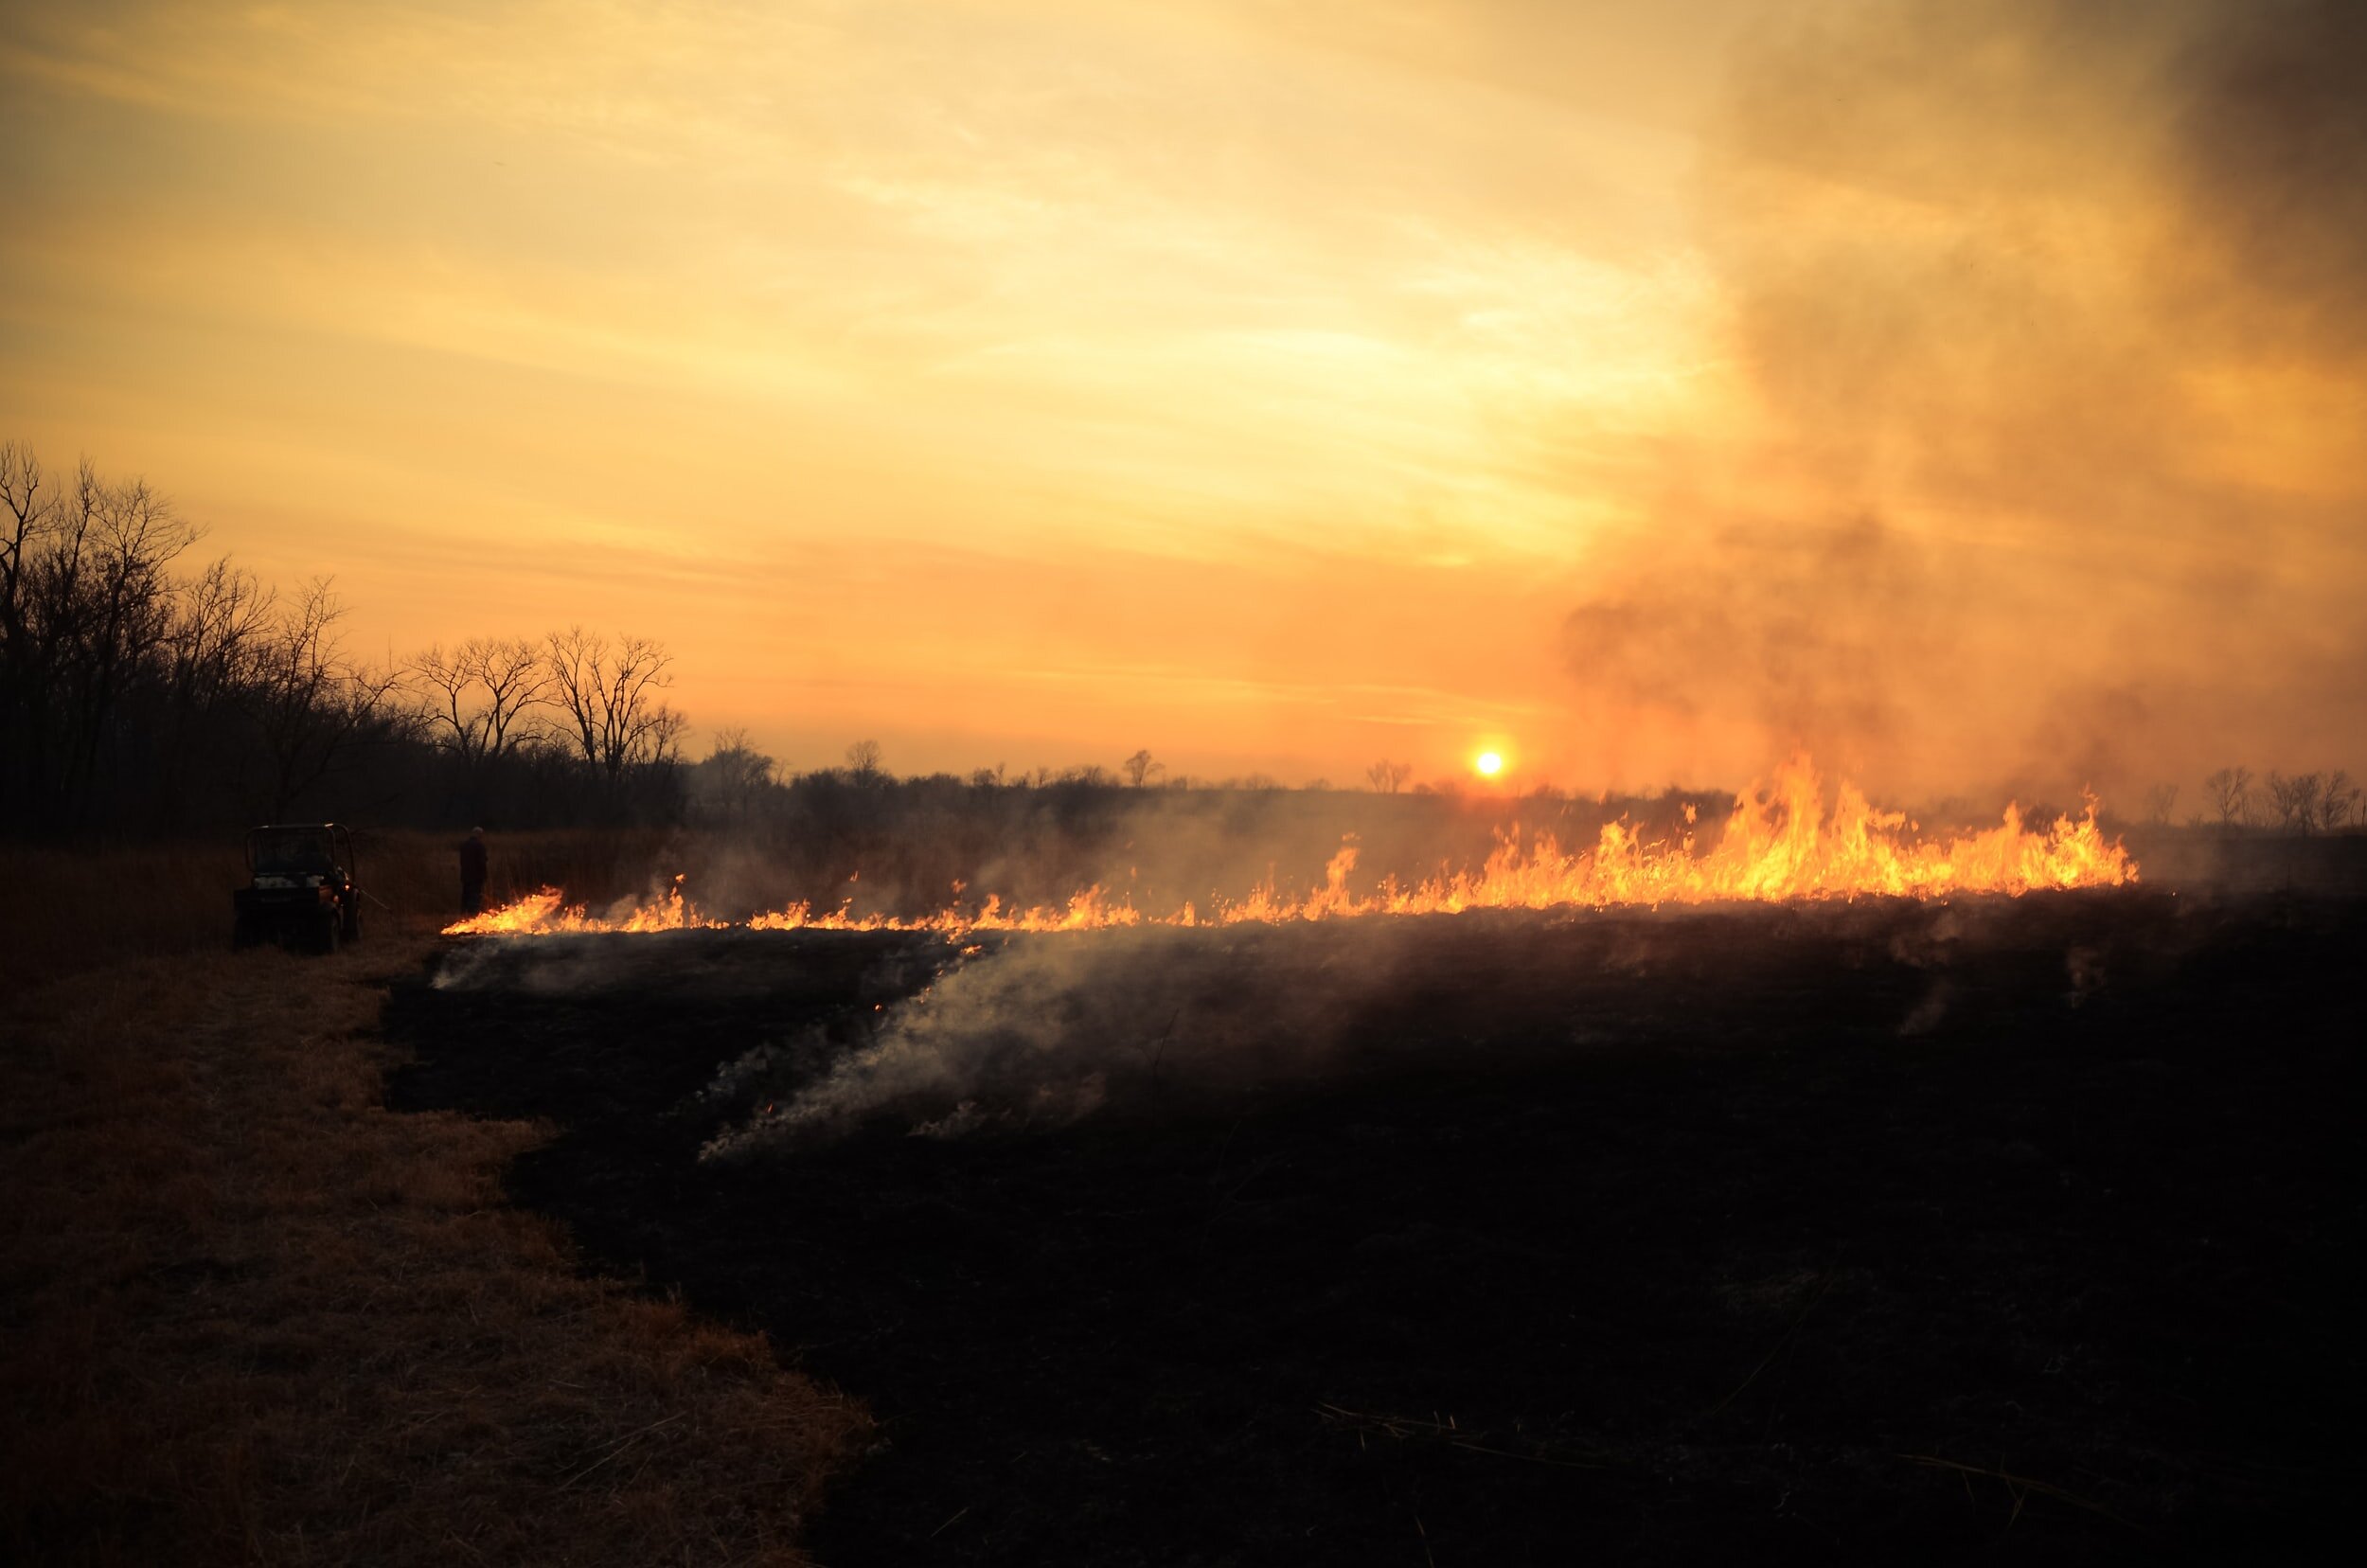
point(547, 912)
point(1780, 844)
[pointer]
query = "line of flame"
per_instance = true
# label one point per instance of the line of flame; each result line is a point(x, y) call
point(1779, 845)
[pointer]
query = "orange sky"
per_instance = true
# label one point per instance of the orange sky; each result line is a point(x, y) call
point(1266, 385)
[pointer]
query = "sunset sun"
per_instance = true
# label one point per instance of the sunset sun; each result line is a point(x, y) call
point(1489, 763)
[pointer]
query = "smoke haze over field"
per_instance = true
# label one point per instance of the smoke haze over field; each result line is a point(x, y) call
point(2054, 317)
point(1973, 392)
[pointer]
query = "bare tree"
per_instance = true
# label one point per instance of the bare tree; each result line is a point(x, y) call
point(731, 781)
point(31, 519)
point(221, 613)
point(1388, 778)
point(212, 652)
point(610, 697)
point(988, 779)
point(85, 608)
point(2230, 789)
point(2295, 800)
point(312, 709)
point(481, 692)
point(2339, 803)
point(448, 685)
point(863, 762)
point(1140, 768)
point(2158, 799)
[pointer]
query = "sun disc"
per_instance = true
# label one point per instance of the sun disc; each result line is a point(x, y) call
point(1489, 763)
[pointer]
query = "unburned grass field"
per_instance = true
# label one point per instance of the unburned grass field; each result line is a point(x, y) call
point(250, 1315)
point(2021, 1228)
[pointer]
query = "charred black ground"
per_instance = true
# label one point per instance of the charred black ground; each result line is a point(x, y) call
point(1770, 1231)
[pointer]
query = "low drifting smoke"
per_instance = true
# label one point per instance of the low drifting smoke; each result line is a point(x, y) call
point(1030, 1034)
point(1036, 1032)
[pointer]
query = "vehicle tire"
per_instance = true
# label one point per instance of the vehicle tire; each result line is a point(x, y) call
point(352, 931)
point(327, 941)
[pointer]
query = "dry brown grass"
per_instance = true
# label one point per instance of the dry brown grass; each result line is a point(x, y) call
point(250, 1315)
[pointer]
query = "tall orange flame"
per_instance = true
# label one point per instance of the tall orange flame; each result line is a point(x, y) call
point(1779, 844)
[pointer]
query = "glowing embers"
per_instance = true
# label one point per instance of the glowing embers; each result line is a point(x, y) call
point(1780, 843)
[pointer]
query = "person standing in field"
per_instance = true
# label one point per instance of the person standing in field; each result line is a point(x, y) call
point(472, 872)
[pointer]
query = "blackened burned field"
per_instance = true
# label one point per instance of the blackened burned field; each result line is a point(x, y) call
point(1482, 1239)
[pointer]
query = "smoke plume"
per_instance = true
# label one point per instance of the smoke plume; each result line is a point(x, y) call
point(2050, 326)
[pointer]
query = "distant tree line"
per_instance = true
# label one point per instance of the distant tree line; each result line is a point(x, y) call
point(140, 696)
point(2296, 803)
point(144, 695)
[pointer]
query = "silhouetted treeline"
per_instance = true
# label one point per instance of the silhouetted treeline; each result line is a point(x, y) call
point(2299, 803)
point(142, 696)
point(146, 694)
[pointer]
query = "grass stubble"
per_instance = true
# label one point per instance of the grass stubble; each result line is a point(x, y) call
point(249, 1314)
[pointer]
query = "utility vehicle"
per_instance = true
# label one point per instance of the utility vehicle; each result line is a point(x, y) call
point(300, 890)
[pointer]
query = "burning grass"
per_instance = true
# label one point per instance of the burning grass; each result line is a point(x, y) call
point(251, 1314)
point(1782, 842)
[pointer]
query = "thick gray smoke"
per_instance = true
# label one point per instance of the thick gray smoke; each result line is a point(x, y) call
point(2053, 320)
